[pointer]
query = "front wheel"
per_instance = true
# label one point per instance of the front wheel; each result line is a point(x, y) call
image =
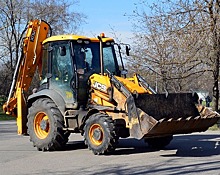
point(45, 126)
point(99, 134)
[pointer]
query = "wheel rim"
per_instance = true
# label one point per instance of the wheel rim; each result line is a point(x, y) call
point(41, 125)
point(96, 134)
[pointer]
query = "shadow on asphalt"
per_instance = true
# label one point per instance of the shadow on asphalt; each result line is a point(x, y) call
point(194, 145)
point(162, 168)
point(75, 145)
point(185, 146)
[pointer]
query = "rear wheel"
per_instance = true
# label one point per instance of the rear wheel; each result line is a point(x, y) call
point(45, 126)
point(158, 142)
point(99, 134)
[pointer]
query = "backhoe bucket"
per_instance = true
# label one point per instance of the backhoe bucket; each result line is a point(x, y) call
point(161, 115)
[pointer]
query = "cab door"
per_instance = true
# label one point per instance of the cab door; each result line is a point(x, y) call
point(62, 72)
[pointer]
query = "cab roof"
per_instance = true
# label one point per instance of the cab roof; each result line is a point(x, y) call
point(74, 37)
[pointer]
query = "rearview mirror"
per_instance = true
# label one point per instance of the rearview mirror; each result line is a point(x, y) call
point(127, 50)
point(124, 72)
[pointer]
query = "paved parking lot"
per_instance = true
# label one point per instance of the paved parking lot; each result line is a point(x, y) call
point(197, 153)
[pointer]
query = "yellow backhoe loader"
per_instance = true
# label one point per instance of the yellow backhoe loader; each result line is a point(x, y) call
point(82, 90)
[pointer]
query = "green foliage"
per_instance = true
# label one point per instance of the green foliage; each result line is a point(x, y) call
point(4, 116)
point(214, 128)
point(2, 101)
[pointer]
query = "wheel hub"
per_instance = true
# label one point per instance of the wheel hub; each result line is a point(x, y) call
point(97, 134)
point(44, 125)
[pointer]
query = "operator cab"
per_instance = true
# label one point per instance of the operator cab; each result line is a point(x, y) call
point(68, 62)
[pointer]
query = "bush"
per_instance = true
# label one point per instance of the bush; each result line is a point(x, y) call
point(4, 116)
point(2, 101)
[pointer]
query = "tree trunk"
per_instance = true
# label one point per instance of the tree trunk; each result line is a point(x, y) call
point(216, 93)
point(216, 47)
point(216, 76)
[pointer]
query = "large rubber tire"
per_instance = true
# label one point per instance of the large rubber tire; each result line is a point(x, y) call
point(99, 134)
point(158, 142)
point(45, 126)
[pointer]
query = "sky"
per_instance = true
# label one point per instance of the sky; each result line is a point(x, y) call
point(108, 17)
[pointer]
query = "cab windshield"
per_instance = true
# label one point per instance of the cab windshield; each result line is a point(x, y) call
point(88, 56)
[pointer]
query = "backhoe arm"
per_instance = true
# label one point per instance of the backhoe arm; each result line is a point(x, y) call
point(27, 64)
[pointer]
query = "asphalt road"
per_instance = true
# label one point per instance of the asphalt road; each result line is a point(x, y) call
point(197, 153)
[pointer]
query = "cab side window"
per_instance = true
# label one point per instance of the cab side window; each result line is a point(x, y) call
point(62, 71)
point(62, 63)
point(45, 59)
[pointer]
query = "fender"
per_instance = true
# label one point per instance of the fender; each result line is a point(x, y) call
point(56, 97)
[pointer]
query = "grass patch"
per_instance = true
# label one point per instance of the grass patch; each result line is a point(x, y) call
point(4, 116)
point(214, 128)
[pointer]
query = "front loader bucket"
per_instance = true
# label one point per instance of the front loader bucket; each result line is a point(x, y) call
point(179, 113)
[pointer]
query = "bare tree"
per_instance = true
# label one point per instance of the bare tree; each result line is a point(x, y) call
point(12, 29)
point(14, 15)
point(5, 80)
point(180, 41)
point(213, 11)
point(58, 14)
